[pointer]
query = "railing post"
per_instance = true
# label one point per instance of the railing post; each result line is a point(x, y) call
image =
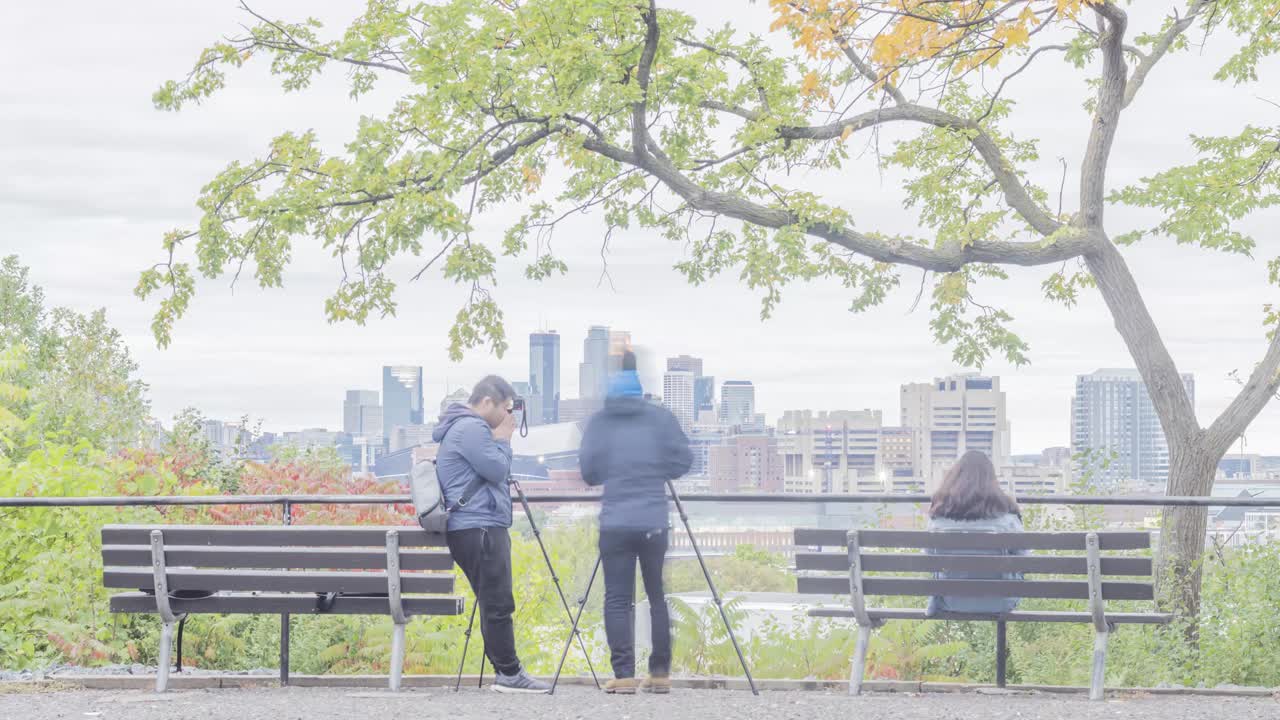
point(284, 617)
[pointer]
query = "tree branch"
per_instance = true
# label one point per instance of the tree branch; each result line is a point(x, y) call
point(298, 47)
point(1110, 101)
point(1161, 47)
point(1015, 192)
point(639, 124)
point(1258, 390)
point(939, 259)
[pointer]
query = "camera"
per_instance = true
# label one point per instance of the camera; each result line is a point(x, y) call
point(517, 405)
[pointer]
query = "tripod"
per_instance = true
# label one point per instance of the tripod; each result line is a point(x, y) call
point(715, 596)
point(555, 579)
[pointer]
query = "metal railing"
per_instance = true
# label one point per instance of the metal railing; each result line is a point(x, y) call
point(851, 498)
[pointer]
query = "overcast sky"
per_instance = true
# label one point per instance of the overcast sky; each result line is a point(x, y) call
point(91, 176)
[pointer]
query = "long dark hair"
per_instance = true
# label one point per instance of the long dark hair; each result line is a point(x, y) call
point(971, 491)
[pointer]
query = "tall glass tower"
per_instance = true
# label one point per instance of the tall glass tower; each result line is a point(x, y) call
point(544, 378)
point(401, 397)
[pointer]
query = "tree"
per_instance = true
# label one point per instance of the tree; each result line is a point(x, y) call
point(79, 376)
point(692, 131)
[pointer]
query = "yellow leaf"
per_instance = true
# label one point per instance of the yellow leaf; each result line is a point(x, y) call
point(810, 83)
point(848, 130)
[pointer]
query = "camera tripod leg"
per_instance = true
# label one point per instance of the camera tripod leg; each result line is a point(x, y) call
point(582, 605)
point(715, 594)
point(465, 643)
point(555, 579)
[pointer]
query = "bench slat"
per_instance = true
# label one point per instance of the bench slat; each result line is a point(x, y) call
point(266, 557)
point(1016, 616)
point(920, 562)
point(276, 580)
point(805, 537)
point(270, 535)
point(1055, 589)
point(295, 604)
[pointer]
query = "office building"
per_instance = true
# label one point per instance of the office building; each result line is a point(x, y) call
point(746, 463)
point(737, 403)
point(953, 415)
point(358, 411)
point(685, 363)
point(409, 436)
point(312, 438)
point(401, 397)
point(677, 396)
point(831, 452)
point(593, 373)
point(619, 342)
point(544, 378)
point(1115, 433)
point(461, 395)
point(704, 394)
point(576, 409)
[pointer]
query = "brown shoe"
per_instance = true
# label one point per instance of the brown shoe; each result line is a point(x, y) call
point(621, 686)
point(657, 684)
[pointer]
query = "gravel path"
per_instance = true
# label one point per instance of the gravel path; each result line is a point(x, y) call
point(575, 703)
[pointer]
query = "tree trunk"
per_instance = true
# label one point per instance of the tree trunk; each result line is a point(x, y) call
point(1180, 556)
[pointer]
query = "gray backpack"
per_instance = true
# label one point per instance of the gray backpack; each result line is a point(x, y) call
point(428, 496)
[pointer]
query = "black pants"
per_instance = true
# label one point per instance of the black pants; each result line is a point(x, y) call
point(620, 550)
point(484, 554)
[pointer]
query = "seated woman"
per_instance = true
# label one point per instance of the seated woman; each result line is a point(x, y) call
point(970, 500)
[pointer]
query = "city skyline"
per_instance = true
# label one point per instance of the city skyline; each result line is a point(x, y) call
point(661, 381)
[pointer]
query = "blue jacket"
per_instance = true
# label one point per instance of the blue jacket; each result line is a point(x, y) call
point(1008, 522)
point(469, 450)
point(633, 447)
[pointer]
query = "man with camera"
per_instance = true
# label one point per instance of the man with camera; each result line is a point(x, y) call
point(475, 442)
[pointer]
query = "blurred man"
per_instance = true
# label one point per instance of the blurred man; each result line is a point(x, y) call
point(633, 448)
point(475, 444)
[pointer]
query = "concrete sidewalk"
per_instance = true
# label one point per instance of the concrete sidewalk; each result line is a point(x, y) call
point(579, 703)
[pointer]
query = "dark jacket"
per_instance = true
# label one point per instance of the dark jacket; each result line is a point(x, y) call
point(469, 450)
point(633, 447)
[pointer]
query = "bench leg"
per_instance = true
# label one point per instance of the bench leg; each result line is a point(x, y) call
point(166, 645)
point(397, 655)
point(859, 660)
point(1096, 690)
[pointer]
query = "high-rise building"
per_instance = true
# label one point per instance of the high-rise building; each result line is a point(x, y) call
point(361, 413)
point(953, 415)
point(544, 378)
point(677, 396)
point(1115, 432)
point(408, 436)
point(831, 452)
point(704, 394)
point(593, 373)
point(619, 342)
point(461, 395)
point(737, 402)
point(685, 363)
point(746, 463)
point(401, 397)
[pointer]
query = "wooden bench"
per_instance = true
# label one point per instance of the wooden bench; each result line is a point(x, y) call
point(983, 559)
point(177, 570)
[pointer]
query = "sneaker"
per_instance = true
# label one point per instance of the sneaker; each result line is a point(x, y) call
point(521, 682)
point(656, 684)
point(621, 686)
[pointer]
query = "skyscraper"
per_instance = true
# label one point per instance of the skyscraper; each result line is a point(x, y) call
point(593, 373)
point(737, 402)
point(619, 342)
point(401, 397)
point(1115, 430)
point(685, 363)
point(361, 414)
point(677, 395)
point(544, 378)
point(704, 394)
point(953, 415)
